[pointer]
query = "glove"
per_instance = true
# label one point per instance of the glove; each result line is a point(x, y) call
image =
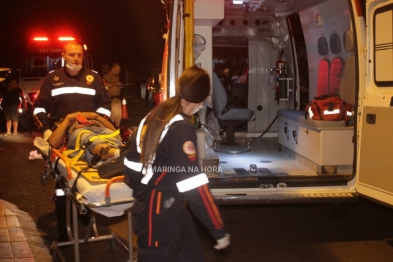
point(223, 242)
point(47, 134)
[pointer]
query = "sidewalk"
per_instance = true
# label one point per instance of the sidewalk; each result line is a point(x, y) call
point(19, 238)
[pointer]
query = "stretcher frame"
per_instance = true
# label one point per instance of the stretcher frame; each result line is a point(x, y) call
point(73, 205)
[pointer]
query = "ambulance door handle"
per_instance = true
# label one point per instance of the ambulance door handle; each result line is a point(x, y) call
point(294, 134)
point(286, 132)
point(371, 119)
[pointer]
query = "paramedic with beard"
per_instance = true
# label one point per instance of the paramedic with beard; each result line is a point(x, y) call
point(66, 90)
point(167, 138)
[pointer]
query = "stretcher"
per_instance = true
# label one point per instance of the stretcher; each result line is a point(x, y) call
point(85, 190)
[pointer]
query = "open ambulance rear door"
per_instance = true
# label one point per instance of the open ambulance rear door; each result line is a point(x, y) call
point(375, 132)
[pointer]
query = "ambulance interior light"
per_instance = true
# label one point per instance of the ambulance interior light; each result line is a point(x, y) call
point(237, 2)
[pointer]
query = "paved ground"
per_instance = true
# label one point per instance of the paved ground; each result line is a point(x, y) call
point(272, 233)
point(19, 238)
point(28, 237)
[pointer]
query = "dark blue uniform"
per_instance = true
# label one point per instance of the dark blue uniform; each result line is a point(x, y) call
point(61, 94)
point(161, 221)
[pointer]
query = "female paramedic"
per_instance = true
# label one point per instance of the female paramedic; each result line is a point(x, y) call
point(163, 169)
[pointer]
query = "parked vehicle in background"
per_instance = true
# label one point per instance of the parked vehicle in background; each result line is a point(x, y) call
point(4, 71)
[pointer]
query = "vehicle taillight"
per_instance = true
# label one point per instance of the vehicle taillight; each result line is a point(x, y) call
point(32, 96)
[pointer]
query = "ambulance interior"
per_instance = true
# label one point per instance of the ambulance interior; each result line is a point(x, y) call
point(273, 57)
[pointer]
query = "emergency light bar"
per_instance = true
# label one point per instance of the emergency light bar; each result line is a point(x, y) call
point(40, 38)
point(61, 38)
point(66, 38)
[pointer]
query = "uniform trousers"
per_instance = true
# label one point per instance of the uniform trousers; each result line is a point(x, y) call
point(164, 227)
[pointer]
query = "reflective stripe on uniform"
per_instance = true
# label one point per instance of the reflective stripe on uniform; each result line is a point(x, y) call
point(177, 117)
point(138, 135)
point(192, 182)
point(148, 174)
point(103, 111)
point(39, 110)
point(174, 119)
point(59, 192)
point(73, 90)
point(133, 165)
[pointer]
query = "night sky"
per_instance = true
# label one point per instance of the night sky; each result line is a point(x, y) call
point(124, 31)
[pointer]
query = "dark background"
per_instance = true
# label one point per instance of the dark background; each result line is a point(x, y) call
point(125, 31)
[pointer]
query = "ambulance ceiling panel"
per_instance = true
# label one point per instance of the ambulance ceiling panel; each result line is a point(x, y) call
point(260, 8)
point(258, 18)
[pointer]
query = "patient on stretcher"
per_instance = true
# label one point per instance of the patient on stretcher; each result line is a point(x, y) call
point(90, 143)
point(88, 137)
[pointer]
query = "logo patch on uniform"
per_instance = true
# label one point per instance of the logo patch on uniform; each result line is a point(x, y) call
point(189, 149)
point(89, 79)
point(169, 202)
point(56, 78)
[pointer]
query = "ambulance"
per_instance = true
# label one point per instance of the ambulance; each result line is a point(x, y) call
point(268, 59)
point(42, 55)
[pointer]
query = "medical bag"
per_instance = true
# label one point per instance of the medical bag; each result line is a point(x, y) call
point(329, 107)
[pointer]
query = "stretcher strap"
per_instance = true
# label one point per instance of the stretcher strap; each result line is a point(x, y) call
point(78, 176)
point(80, 148)
point(77, 148)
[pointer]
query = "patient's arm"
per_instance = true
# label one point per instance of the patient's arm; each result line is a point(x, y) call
point(57, 137)
point(95, 116)
point(110, 153)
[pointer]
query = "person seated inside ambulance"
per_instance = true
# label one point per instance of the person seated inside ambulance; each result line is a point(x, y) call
point(88, 129)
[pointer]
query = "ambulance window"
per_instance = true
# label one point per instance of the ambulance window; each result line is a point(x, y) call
point(39, 62)
point(54, 63)
point(383, 46)
point(34, 65)
point(27, 65)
